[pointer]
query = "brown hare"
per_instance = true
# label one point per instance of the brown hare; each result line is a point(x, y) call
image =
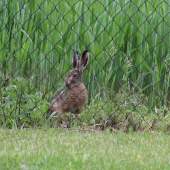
point(71, 98)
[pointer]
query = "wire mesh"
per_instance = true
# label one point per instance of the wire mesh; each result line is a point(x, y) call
point(126, 77)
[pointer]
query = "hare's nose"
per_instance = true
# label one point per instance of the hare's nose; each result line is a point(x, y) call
point(66, 84)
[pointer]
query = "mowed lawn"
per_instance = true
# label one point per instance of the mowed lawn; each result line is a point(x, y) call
point(63, 149)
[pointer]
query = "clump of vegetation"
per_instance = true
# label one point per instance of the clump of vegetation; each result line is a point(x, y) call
point(125, 111)
point(122, 111)
point(18, 108)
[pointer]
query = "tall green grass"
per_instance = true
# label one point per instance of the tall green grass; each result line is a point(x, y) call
point(126, 39)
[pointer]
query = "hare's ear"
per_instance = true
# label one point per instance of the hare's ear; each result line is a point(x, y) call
point(84, 58)
point(75, 59)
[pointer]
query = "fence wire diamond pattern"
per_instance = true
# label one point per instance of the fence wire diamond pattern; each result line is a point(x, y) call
point(126, 77)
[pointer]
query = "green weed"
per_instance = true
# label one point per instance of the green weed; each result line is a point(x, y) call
point(17, 107)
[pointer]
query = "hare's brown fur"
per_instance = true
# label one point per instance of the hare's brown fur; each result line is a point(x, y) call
point(75, 93)
point(72, 101)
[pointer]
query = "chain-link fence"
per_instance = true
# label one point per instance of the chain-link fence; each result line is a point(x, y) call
point(127, 73)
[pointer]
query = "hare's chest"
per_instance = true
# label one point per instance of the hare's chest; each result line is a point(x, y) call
point(77, 97)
